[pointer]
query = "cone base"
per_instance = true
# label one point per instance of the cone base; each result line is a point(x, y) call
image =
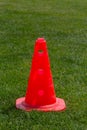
point(58, 106)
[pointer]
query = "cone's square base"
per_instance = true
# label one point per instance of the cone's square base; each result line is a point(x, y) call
point(58, 106)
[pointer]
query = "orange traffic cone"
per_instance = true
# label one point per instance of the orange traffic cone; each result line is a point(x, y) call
point(40, 94)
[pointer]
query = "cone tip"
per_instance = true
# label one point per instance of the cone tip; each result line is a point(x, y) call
point(40, 40)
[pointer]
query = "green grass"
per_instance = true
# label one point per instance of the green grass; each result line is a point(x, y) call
point(63, 23)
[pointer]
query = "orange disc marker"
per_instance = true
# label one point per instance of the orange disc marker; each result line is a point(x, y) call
point(40, 94)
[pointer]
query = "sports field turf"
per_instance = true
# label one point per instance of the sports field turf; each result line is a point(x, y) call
point(63, 23)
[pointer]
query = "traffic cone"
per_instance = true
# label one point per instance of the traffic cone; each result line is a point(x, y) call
point(40, 94)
